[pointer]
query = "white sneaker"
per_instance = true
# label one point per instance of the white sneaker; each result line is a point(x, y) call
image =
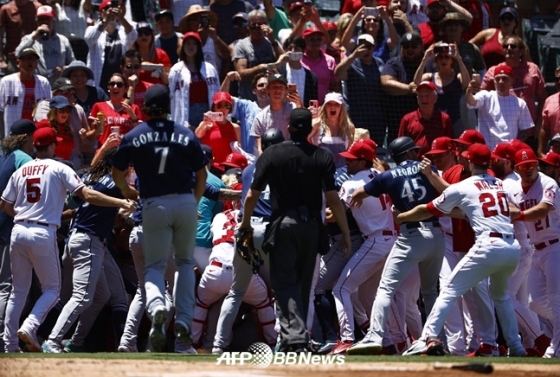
point(217, 351)
point(51, 347)
point(29, 338)
point(431, 346)
point(127, 349)
point(158, 338)
point(365, 347)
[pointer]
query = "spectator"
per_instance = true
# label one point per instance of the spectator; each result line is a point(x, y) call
point(294, 16)
point(17, 18)
point(550, 116)
point(219, 134)
point(107, 41)
point(155, 62)
point(373, 25)
point(436, 10)
point(204, 22)
point(58, 118)
point(276, 18)
point(331, 48)
point(84, 139)
point(192, 82)
point(528, 82)
point(167, 39)
point(342, 25)
point(555, 144)
point(323, 65)
point(225, 9)
point(131, 64)
point(71, 20)
point(549, 164)
point(501, 115)
point(361, 74)
point(333, 129)
point(289, 65)
point(398, 11)
point(450, 84)
point(397, 80)
point(481, 16)
point(240, 29)
point(117, 112)
point(86, 95)
point(20, 91)
point(354, 6)
point(277, 114)
point(54, 49)
point(416, 12)
point(427, 123)
point(490, 40)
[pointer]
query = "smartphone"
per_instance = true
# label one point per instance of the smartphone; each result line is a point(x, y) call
point(115, 130)
point(296, 56)
point(114, 3)
point(204, 20)
point(441, 49)
point(292, 88)
point(371, 12)
point(271, 66)
point(314, 104)
point(476, 77)
point(215, 116)
point(452, 50)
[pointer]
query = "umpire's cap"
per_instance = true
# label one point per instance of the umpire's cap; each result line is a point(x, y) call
point(401, 145)
point(270, 137)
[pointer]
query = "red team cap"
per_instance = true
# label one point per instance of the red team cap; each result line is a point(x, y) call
point(430, 2)
point(518, 144)
point(441, 145)
point(45, 11)
point(192, 34)
point(296, 6)
point(330, 26)
point(359, 151)
point(478, 154)
point(222, 97)
point(45, 136)
point(503, 69)
point(505, 151)
point(469, 137)
point(235, 160)
point(525, 156)
point(43, 123)
point(311, 30)
point(369, 142)
point(551, 158)
point(104, 4)
point(426, 85)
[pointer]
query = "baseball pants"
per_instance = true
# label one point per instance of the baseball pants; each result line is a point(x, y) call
point(5, 287)
point(32, 247)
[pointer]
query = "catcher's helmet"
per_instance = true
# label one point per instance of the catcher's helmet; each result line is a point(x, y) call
point(270, 137)
point(401, 145)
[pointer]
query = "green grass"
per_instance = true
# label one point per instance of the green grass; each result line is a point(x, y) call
point(348, 359)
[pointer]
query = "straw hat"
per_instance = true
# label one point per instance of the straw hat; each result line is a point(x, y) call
point(197, 10)
point(453, 16)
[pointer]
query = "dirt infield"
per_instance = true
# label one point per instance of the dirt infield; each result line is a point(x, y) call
point(77, 367)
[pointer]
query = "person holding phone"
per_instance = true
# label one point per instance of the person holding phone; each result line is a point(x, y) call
point(155, 62)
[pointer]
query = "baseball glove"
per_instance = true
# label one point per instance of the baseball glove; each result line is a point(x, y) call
point(246, 249)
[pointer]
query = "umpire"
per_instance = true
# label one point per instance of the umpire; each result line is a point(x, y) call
point(297, 173)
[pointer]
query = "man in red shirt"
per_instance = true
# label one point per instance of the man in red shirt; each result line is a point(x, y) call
point(426, 123)
point(436, 10)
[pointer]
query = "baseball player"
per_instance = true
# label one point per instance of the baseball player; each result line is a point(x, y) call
point(378, 232)
point(495, 254)
point(242, 272)
point(91, 227)
point(170, 166)
point(419, 244)
point(35, 197)
point(537, 196)
point(218, 276)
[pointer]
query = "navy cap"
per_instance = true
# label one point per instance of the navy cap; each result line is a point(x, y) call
point(207, 151)
point(22, 127)
point(277, 78)
point(509, 10)
point(300, 119)
point(157, 96)
point(59, 102)
point(163, 13)
point(143, 25)
point(62, 83)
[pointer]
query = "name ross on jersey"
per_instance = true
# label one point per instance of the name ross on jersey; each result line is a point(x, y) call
point(154, 137)
point(405, 172)
point(483, 185)
point(33, 170)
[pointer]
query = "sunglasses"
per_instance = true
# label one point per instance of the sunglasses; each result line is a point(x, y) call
point(369, 20)
point(145, 32)
point(262, 85)
point(130, 66)
point(64, 110)
point(506, 18)
point(527, 166)
point(255, 26)
point(116, 83)
point(66, 92)
point(409, 47)
point(223, 106)
point(239, 26)
point(513, 46)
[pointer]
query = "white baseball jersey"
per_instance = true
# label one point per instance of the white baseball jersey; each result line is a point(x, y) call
point(544, 190)
point(482, 199)
point(38, 190)
point(511, 181)
point(223, 236)
point(380, 208)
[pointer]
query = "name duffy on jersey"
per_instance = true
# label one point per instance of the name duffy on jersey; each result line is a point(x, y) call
point(155, 136)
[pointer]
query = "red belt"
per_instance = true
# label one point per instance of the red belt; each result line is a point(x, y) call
point(33, 222)
point(544, 244)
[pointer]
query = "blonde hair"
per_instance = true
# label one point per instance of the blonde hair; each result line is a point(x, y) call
point(344, 121)
point(51, 116)
point(342, 24)
point(361, 133)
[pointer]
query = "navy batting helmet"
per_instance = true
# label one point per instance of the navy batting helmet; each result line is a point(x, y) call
point(401, 145)
point(270, 137)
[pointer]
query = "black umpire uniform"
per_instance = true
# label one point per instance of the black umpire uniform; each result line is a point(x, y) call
point(297, 173)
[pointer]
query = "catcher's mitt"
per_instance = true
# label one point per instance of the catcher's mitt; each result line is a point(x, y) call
point(246, 249)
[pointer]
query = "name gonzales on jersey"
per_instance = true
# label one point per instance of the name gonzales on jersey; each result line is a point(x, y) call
point(155, 136)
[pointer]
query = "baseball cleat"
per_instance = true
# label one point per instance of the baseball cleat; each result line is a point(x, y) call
point(73, 348)
point(217, 351)
point(518, 352)
point(29, 338)
point(51, 347)
point(485, 350)
point(365, 347)
point(341, 347)
point(127, 349)
point(432, 346)
point(327, 347)
point(182, 332)
point(158, 338)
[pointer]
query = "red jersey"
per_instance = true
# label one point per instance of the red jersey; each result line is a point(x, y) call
point(114, 118)
point(28, 99)
point(161, 57)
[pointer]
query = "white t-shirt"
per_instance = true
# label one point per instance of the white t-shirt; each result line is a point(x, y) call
point(296, 76)
point(38, 190)
point(500, 118)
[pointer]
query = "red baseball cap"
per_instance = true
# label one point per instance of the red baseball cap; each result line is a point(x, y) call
point(505, 150)
point(426, 85)
point(235, 160)
point(330, 26)
point(311, 30)
point(478, 154)
point(295, 6)
point(45, 136)
point(192, 34)
point(502, 69)
point(43, 123)
point(359, 151)
point(430, 2)
point(369, 142)
point(518, 144)
point(469, 137)
point(441, 145)
point(525, 156)
point(104, 4)
point(222, 97)
point(551, 158)
point(45, 11)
